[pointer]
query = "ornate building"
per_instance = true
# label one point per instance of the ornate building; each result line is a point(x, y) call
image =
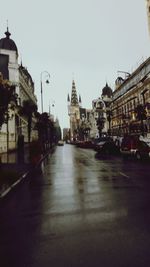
point(100, 119)
point(89, 123)
point(131, 103)
point(74, 111)
point(24, 88)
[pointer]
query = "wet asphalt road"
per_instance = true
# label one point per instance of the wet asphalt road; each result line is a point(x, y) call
point(79, 211)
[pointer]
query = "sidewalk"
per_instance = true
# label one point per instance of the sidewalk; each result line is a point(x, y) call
point(14, 157)
point(15, 168)
point(10, 176)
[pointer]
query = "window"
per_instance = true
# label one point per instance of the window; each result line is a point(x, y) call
point(130, 105)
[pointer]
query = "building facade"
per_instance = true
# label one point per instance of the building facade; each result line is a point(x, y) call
point(131, 103)
point(74, 111)
point(148, 13)
point(100, 114)
point(24, 88)
point(90, 123)
point(26, 93)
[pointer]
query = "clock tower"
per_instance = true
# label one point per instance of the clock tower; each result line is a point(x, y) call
point(74, 111)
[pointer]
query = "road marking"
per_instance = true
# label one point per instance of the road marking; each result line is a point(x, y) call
point(24, 175)
point(5, 192)
point(123, 174)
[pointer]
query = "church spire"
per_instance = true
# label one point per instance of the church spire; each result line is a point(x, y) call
point(68, 98)
point(80, 99)
point(74, 98)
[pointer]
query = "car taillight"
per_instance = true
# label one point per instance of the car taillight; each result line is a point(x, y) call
point(133, 145)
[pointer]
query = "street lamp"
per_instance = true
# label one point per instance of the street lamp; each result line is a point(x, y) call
point(47, 77)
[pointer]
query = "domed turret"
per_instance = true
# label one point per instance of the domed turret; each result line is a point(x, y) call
point(118, 82)
point(107, 91)
point(7, 43)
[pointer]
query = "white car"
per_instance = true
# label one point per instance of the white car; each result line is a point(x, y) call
point(60, 143)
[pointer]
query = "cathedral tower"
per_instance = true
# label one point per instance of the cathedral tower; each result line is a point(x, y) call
point(73, 112)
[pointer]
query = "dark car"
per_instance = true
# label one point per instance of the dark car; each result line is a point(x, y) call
point(107, 147)
point(97, 141)
point(132, 146)
point(85, 144)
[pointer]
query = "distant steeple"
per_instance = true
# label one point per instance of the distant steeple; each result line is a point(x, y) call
point(74, 98)
point(80, 99)
point(68, 98)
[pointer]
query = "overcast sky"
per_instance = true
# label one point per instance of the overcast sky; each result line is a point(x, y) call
point(88, 40)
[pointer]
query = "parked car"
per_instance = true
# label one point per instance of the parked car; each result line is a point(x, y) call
point(132, 146)
point(107, 147)
point(145, 139)
point(99, 140)
point(85, 144)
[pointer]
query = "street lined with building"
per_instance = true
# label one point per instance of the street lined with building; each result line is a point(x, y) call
point(78, 195)
point(79, 211)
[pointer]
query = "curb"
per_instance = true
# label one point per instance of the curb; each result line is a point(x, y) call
point(2, 195)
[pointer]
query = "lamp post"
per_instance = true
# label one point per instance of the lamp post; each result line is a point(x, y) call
point(47, 77)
